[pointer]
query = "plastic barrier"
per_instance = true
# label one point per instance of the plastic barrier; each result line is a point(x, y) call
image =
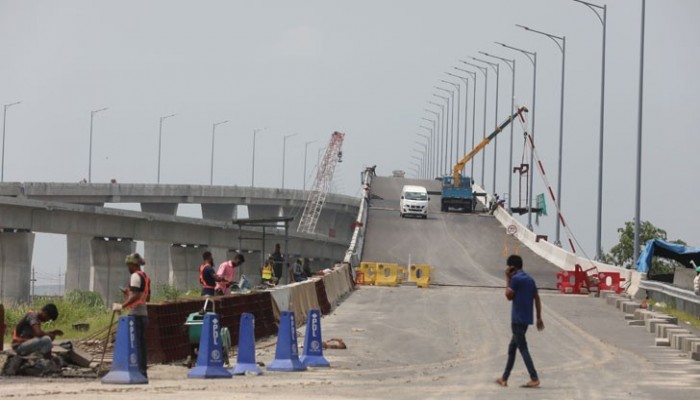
point(387, 275)
point(210, 360)
point(287, 352)
point(246, 347)
point(610, 281)
point(420, 273)
point(401, 274)
point(125, 366)
point(369, 271)
point(313, 344)
point(578, 281)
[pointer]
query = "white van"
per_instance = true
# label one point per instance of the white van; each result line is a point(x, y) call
point(414, 201)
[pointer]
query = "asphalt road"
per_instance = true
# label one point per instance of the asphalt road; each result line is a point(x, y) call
point(444, 342)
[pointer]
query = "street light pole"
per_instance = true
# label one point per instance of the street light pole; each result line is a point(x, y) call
point(456, 136)
point(638, 203)
point(496, 68)
point(431, 170)
point(532, 56)
point(560, 41)
point(443, 161)
point(450, 125)
point(599, 217)
point(306, 149)
point(4, 120)
point(511, 64)
point(252, 179)
point(160, 139)
point(466, 113)
point(284, 154)
point(437, 139)
point(485, 71)
point(429, 159)
point(92, 117)
point(473, 75)
point(213, 131)
point(425, 157)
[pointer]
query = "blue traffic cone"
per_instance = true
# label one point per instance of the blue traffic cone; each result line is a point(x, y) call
point(313, 345)
point(287, 353)
point(210, 360)
point(246, 347)
point(125, 365)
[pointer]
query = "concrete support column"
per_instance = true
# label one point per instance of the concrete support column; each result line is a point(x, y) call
point(295, 212)
point(184, 265)
point(108, 272)
point(219, 212)
point(326, 223)
point(157, 254)
point(15, 266)
point(78, 262)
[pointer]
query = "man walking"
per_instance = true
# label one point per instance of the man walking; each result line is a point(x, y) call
point(522, 291)
point(136, 295)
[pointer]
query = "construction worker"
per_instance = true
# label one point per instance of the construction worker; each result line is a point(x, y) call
point(207, 276)
point(296, 271)
point(267, 272)
point(28, 337)
point(227, 271)
point(135, 298)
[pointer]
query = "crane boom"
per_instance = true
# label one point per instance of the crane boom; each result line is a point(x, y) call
point(458, 167)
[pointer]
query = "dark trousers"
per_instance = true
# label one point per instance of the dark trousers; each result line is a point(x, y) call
point(518, 342)
point(140, 325)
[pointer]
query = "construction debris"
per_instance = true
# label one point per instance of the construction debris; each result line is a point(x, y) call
point(66, 361)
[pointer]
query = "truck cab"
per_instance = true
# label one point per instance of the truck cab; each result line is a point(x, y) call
point(460, 197)
point(414, 201)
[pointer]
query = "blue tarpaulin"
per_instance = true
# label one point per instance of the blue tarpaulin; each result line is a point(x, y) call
point(673, 251)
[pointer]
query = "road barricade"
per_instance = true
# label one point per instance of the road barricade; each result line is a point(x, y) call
point(369, 273)
point(420, 273)
point(578, 281)
point(387, 274)
point(610, 281)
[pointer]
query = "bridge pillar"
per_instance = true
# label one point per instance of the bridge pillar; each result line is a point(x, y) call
point(219, 212)
point(185, 260)
point(157, 254)
point(15, 266)
point(78, 262)
point(326, 223)
point(295, 212)
point(108, 272)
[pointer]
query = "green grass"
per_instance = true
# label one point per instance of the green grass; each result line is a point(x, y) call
point(681, 315)
point(75, 307)
point(82, 307)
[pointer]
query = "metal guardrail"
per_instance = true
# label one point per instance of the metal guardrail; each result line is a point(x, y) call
point(671, 291)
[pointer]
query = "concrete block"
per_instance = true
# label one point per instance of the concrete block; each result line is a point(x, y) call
point(641, 313)
point(619, 301)
point(635, 322)
point(607, 293)
point(652, 323)
point(629, 306)
point(668, 318)
point(80, 357)
point(611, 299)
point(687, 343)
point(669, 332)
point(661, 329)
point(675, 339)
point(629, 317)
point(661, 342)
point(695, 356)
point(695, 347)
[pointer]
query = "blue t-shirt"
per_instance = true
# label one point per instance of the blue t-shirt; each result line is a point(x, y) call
point(208, 276)
point(525, 288)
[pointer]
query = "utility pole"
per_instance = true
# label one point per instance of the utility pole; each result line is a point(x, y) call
point(33, 280)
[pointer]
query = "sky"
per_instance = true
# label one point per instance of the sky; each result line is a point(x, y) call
point(365, 68)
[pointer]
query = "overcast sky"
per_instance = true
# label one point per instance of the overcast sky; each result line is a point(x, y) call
point(365, 68)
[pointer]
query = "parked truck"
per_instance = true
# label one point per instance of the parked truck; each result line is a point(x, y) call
point(457, 189)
